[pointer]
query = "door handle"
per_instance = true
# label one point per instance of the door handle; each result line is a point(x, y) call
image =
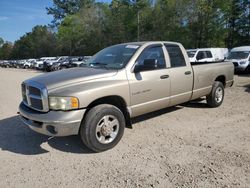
point(164, 76)
point(188, 72)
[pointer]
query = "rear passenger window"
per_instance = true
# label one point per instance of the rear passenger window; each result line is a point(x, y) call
point(209, 54)
point(175, 55)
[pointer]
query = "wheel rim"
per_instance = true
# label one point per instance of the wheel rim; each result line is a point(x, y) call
point(107, 129)
point(218, 94)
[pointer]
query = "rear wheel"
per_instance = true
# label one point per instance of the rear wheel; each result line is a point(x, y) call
point(216, 97)
point(63, 67)
point(102, 128)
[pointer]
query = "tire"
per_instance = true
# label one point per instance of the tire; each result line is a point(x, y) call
point(62, 67)
point(248, 69)
point(26, 67)
point(216, 97)
point(93, 132)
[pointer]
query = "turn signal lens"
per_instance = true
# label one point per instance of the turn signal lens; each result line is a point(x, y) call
point(74, 102)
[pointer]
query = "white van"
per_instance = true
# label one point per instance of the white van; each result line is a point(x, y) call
point(207, 54)
point(240, 56)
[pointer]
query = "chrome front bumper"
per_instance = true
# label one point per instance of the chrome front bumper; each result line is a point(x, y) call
point(52, 123)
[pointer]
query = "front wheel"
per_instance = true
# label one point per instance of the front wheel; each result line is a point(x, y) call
point(248, 69)
point(62, 67)
point(102, 128)
point(216, 97)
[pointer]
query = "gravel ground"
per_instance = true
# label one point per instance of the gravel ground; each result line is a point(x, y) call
point(190, 145)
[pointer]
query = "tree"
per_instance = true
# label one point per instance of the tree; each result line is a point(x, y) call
point(62, 8)
point(88, 31)
point(5, 50)
point(40, 42)
point(1, 41)
point(238, 15)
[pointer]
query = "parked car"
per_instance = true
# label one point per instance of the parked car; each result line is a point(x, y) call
point(240, 56)
point(67, 63)
point(7, 64)
point(48, 64)
point(39, 63)
point(14, 63)
point(207, 54)
point(80, 61)
point(75, 62)
point(20, 63)
point(28, 63)
point(118, 83)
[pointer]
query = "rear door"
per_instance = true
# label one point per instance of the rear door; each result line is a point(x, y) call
point(150, 89)
point(181, 75)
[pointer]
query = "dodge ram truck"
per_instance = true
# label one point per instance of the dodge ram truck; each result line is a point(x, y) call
point(120, 82)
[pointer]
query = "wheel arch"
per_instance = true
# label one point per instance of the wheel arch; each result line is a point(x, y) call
point(114, 100)
point(221, 79)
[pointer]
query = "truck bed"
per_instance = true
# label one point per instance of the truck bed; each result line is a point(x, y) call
point(206, 73)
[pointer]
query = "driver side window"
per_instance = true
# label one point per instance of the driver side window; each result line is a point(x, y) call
point(154, 53)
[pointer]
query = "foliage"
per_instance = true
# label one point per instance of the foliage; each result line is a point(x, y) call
point(5, 50)
point(40, 42)
point(83, 27)
point(62, 8)
point(1, 41)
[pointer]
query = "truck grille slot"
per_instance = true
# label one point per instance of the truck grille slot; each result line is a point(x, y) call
point(35, 96)
point(34, 91)
point(36, 103)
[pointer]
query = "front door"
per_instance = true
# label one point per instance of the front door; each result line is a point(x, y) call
point(150, 89)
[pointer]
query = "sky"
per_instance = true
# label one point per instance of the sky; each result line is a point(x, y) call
point(18, 17)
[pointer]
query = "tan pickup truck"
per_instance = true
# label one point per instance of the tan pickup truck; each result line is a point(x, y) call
point(97, 100)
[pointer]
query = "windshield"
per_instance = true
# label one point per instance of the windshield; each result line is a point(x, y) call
point(191, 53)
point(114, 57)
point(238, 55)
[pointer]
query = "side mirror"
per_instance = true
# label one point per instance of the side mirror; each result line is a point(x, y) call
point(148, 64)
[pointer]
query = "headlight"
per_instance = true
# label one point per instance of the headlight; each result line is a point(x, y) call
point(242, 62)
point(63, 103)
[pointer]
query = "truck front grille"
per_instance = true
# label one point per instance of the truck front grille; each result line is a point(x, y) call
point(235, 64)
point(35, 96)
point(36, 103)
point(34, 91)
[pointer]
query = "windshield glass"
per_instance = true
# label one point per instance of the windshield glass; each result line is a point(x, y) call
point(114, 57)
point(238, 55)
point(191, 53)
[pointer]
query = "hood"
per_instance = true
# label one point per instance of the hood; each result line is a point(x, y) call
point(71, 76)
